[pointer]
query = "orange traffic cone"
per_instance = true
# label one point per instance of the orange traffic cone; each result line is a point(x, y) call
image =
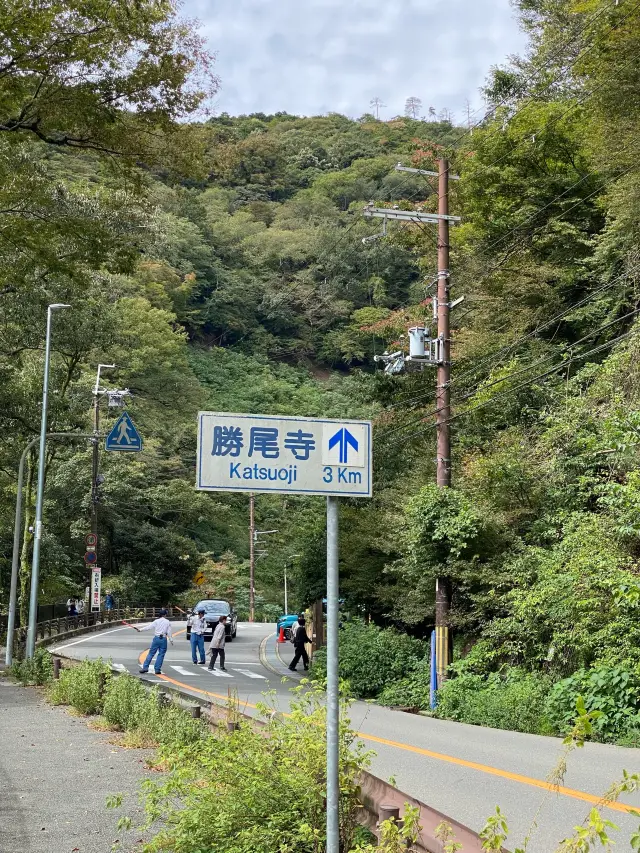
point(281, 638)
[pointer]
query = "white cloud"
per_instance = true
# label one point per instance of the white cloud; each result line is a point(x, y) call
point(315, 56)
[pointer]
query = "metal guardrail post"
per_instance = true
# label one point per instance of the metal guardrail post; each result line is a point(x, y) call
point(387, 812)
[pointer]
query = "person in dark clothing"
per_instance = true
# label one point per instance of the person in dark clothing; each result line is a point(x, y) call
point(299, 640)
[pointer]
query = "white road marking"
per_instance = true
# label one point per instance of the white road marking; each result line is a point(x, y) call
point(119, 666)
point(90, 637)
point(184, 671)
point(219, 673)
point(249, 673)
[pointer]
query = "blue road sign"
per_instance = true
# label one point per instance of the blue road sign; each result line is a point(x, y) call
point(344, 440)
point(274, 453)
point(124, 436)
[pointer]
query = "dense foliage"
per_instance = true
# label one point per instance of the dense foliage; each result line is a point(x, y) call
point(219, 264)
point(371, 658)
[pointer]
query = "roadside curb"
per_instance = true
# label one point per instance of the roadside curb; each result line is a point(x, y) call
point(265, 661)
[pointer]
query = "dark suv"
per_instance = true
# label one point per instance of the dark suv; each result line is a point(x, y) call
point(213, 610)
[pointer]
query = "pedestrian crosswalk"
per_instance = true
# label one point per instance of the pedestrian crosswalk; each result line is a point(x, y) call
point(217, 673)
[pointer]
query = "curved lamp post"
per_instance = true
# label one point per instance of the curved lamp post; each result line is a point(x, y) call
point(35, 565)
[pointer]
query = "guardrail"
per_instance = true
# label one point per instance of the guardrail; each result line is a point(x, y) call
point(379, 800)
point(63, 626)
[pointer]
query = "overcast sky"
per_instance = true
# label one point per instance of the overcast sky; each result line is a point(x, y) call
point(315, 56)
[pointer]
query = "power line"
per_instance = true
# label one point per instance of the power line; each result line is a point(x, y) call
point(519, 372)
point(533, 379)
point(508, 348)
point(551, 370)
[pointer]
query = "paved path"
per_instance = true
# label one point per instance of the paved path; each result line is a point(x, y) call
point(464, 771)
point(55, 775)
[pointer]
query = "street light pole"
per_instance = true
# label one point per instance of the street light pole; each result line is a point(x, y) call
point(35, 565)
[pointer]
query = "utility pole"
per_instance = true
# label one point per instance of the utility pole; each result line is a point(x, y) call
point(252, 557)
point(288, 562)
point(96, 448)
point(443, 407)
point(423, 351)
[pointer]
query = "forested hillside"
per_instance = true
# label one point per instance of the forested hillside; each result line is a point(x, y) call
point(219, 263)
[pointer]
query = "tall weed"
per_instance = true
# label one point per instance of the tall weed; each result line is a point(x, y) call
point(82, 686)
point(610, 690)
point(37, 670)
point(512, 700)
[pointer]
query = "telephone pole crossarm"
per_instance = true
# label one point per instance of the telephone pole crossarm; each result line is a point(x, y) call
point(407, 215)
point(401, 168)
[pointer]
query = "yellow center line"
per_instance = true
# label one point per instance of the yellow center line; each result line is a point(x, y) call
point(143, 654)
point(504, 774)
point(449, 759)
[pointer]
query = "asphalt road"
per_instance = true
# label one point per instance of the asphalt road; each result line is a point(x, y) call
point(464, 771)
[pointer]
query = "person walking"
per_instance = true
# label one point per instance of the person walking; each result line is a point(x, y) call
point(299, 640)
point(161, 628)
point(80, 607)
point(71, 607)
point(216, 646)
point(198, 627)
point(108, 600)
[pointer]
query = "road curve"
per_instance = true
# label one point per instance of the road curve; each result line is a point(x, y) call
point(464, 771)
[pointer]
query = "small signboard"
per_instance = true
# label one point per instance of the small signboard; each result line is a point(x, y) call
point(96, 586)
point(199, 578)
point(264, 453)
point(124, 436)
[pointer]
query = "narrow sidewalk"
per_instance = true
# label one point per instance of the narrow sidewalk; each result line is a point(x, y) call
point(55, 776)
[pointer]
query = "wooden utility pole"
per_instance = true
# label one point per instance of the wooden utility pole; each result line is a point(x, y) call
point(443, 407)
point(252, 557)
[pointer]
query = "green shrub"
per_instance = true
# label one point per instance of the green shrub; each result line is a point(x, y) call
point(613, 691)
point(410, 692)
point(512, 699)
point(82, 686)
point(36, 670)
point(256, 790)
point(124, 702)
point(169, 726)
point(128, 705)
point(372, 657)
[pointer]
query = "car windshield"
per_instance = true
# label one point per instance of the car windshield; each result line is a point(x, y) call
point(219, 608)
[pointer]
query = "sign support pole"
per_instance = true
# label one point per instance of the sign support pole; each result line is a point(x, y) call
point(252, 557)
point(333, 698)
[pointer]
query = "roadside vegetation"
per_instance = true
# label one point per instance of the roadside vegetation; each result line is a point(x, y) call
point(394, 669)
point(251, 788)
point(219, 263)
